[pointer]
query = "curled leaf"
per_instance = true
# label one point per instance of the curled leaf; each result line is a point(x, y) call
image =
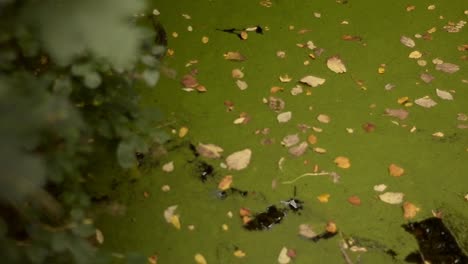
point(312, 80)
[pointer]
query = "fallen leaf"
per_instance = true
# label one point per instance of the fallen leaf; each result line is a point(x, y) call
point(234, 56)
point(290, 140)
point(244, 35)
point(312, 139)
point(201, 88)
point(401, 114)
point(284, 117)
point(368, 127)
point(323, 198)
point(438, 134)
point(310, 45)
point(281, 54)
point(409, 210)
point(408, 42)
point(169, 213)
point(306, 231)
point(296, 90)
point(322, 118)
point(210, 151)
point(225, 183)
point(244, 212)
point(319, 150)
point(444, 94)
point(392, 197)
point(200, 259)
point(239, 160)
point(183, 132)
point(237, 74)
point(331, 227)
point(415, 54)
point(354, 200)
point(205, 39)
point(242, 84)
point(99, 236)
point(276, 104)
point(426, 77)
point(283, 257)
point(447, 67)
point(291, 253)
point(462, 117)
point(335, 64)
point(312, 80)
point(426, 102)
point(239, 253)
point(275, 89)
point(342, 162)
point(168, 167)
point(395, 170)
point(175, 221)
point(380, 187)
point(165, 188)
point(153, 259)
point(189, 81)
point(285, 78)
point(299, 149)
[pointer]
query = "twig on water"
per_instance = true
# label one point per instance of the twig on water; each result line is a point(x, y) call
point(334, 176)
point(345, 255)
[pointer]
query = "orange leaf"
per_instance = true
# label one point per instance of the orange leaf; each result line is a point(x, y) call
point(409, 210)
point(244, 212)
point(342, 162)
point(395, 170)
point(225, 183)
point(331, 227)
point(312, 139)
point(323, 198)
point(354, 200)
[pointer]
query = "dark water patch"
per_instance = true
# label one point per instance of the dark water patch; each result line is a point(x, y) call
point(204, 171)
point(267, 219)
point(324, 235)
point(436, 243)
point(230, 192)
point(237, 31)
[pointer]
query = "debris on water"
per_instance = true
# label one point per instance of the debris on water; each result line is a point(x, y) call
point(266, 220)
point(205, 171)
point(241, 32)
point(436, 243)
point(294, 204)
point(324, 235)
point(231, 191)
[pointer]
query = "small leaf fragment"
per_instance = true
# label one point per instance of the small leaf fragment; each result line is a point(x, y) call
point(354, 200)
point(175, 221)
point(210, 151)
point(444, 94)
point(380, 187)
point(342, 162)
point(395, 170)
point(200, 259)
point(392, 197)
point(290, 140)
point(312, 80)
point(284, 117)
point(183, 132)
point(237, 74)
point(323, 198)
point(409, 210)
point(239, 253)
point(336, 65)
point(426, 77)
point(234, 56)
point(225, 183)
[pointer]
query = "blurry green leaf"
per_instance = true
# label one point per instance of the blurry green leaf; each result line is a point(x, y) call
point(77, 214)
point(151, 77)
point(92, 80)
point(62, 86)
point(126, 154)
point(59, 241)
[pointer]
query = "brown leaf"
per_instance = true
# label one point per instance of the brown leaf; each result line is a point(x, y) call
point(331, 227)
point(409, 210)
point(189, 81)
point(354, 200)
point(395, 170)
point(426, 77)
point(447, 67)
point(312, 139)
point(342, 162)
point(368, 127)
point(402, 114)
point(299, 149)
point(234, 56)
point(225, 183)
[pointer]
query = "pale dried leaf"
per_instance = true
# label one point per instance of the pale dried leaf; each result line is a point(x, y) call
point(415, 54)
point(380, 187)
point(290, 140)
point(392, 197)
point(426, 77)
point(342, 162)
point(447, 67)
point(296, 90)
point(306, 231)
point(402, 114)
point(408, 42)
point(99, 236)
point(322, 118)
point(169, 213)
point(335, 64)
point(237, 74)
point(299, 149)
point(444, 94)
point(239, 160)
point(283, 257)
point(210, 151)
point(200, 259)
point(242, 84)
point(284, 117)
point(425, 101)
point(168, 167)
point(234, 56)
point(312, 80)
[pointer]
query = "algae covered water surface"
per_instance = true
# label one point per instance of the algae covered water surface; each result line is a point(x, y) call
point(366, 100)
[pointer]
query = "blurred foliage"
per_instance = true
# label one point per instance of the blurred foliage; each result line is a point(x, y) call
point(68, 71)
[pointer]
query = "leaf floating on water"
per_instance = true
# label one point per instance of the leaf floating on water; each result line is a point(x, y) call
point(322, 118)
point(284, 117)
point(426, 102)
point(415, 55)
point(335, 64)
point(438, 134)
point(342, 162)
point(234, 56)
point(320, 150)
point(444, 94)
point(200, 259)
point(312, 139)
point(331, 227)
point(225, 183)
point(299, 149)
point(239, 253)
point(354, 200)
point(392, 197)
point(426, 77)
point(283, 257)
point(99, 236)
point(395, 170)
point(189, 81)
point(447, 67)
point(408, 42)
point(239, 160)
point(175, 221)
point(312, 80)
point(237, 74)
point(242, 84)
point(183, 132)
point(306, 231)
point(275, 104)
point(290, 140)
point(168, 167)
point(401, 114)
point(285, 78)
point(210, 151)
point(171, 217)
point(296, 90)
point(409, 210)
point(323, 198)
point(380, 187)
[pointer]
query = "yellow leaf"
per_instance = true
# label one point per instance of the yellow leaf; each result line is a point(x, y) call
point(205, 39)
point(312, 139)
point(183, 132)
point(323, 198)
point(415, 55)
point(342, 162)
point(175, 221)
point(239, 253)
point(395, 170)
point(403, 100)
point(200, 259)
point(225, 183)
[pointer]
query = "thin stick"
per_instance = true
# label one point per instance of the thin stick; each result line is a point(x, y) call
point(306, 175)
point(345, 255)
